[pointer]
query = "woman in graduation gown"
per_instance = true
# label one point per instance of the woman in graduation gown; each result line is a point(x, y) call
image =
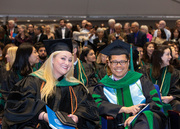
point(93, 70)
point(165, 76)
point(52, 85)
point(26, 57)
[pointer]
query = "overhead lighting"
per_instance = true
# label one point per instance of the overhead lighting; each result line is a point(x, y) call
point(28, 20)
point(54, 20)
point(67, 20)
point(41, 20)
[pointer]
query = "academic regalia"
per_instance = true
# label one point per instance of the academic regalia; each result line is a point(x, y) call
point(93, 73)
point(79, 72)
point(171, 85)
point(140, 90)
point(132, 89)
point(24, 104)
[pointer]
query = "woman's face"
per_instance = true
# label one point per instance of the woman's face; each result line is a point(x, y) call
point(20, 29)
point(62, 63)
point(159, 33)
point(176, 33)
point(34, 57)
point(103, 58)
point(150, 49)
point(166, 57)
point(47, 29)
point(7, 57)
point(100, 34)
point(174, 53)
point(90, 57)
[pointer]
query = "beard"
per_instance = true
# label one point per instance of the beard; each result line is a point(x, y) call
point(43, 57)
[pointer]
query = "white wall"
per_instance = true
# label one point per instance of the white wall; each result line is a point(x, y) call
point(90, 7)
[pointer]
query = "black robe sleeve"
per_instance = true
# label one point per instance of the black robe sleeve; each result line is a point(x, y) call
point(105, 108)
point(24, 103)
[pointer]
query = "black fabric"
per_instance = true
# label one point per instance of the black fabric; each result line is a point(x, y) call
point(24, 104)
point(42, 37)
point(141, 39)
point(58, 33)
point(94, 73)
point(58, 45)
point(118, 47)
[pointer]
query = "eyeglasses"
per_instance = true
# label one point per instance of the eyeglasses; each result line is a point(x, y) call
point(122, 62)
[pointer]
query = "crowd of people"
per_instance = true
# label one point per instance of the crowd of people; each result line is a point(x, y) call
point(89, 73)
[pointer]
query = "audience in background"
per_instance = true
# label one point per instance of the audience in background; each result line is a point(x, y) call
point(162, 25)
point(137, 37)
point(111, 29)
point(48, 32)
point(22, 36)
point(144, 29)
point(160, 38)
point(62, 32)
point(39, 36)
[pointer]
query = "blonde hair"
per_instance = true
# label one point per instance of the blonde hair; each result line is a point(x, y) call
point(12, 55)
point(46, 73)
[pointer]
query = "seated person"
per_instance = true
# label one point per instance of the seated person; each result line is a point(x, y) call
point(40, 48)
point(52, 85)
point(121, 94)
point(79, 72)
point(92, 69)
point(163, 74)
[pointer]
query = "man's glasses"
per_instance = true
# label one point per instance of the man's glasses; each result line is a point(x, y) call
point(122, 62)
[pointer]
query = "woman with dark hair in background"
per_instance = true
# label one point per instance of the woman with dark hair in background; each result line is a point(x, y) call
point(22, 36)
point(175, 35)
point(148, 51)
point(165, 76)
point(26, 57)
point(92, 69)
point(161, 37)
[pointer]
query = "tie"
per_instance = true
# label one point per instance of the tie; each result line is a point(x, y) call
point(11, 33)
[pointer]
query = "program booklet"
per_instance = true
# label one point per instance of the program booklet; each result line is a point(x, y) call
point(54, 122)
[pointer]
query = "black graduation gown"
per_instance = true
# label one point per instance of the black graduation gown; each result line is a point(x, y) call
point(94, 75)
point(174, 85)
point(24, 105)
point(109, 109)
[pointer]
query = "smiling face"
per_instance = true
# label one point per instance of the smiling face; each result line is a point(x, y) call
point(62, 62)
point(150, 49)
point(166, 57)
point(118, 70)
point(174, 53)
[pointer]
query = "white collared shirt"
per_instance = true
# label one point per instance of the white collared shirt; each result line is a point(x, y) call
point(63, 32)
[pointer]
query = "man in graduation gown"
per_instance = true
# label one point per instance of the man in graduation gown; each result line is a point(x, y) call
point(123, 93)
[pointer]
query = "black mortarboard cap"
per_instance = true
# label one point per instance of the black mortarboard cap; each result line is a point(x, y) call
point(58, 45)
point(118, 47)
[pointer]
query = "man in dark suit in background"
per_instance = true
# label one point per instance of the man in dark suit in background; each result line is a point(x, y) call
point(138, 38)
point(62, 32)
point(111, 29)
point(39, 36)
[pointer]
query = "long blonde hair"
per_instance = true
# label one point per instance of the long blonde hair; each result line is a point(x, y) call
point(46, 73)
point(12, 55)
